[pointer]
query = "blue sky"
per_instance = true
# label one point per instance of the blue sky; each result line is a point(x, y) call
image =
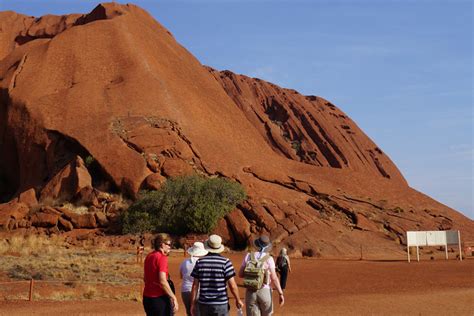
point(402, 70)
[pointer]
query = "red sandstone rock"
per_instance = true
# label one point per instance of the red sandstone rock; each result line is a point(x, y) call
point(41, 219)
point(11, 213)
point(65, 224)
point(83, 220)
point(176, 167)
point(68, 182)
point(153, 181)
point(136, 102)
point(29, 198)
point(101, 219)
point(87, 196)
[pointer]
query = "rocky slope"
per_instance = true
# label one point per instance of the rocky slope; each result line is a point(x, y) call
point(109, 102)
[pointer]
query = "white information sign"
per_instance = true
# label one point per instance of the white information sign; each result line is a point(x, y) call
point(433, 238)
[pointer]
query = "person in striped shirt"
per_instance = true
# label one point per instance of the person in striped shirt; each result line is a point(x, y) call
point(212, 273)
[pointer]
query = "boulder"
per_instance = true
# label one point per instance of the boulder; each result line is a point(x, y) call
point(240, 227)
point(222, 229)
point(84, 221)
point(68, 182)
point(50, 210)
point(28, 197)
point(153, 181)
point(101, 219)
point(41, 219)
point(65, 225)
point(87, 220)
point(11, 213)
point(87, 196)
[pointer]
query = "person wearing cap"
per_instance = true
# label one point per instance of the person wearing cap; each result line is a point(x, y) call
point(212, 273)
point(260, 302)
point(185, 269)
point(158, 297)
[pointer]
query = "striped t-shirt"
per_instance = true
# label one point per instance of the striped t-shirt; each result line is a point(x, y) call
point(213, 271)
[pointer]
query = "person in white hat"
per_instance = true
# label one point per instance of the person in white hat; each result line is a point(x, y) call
point(212, 273)
point(259, 301)
point(185, 269)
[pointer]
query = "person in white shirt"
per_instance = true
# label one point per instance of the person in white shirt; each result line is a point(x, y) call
point(185, 269)
point(260, 302)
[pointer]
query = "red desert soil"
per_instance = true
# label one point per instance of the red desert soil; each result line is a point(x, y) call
point(326, 287)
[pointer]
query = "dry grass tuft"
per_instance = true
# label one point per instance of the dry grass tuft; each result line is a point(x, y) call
point(130, 296)
point(62, 296)
point(90, 292)
point(76, 209)
point(31, 245)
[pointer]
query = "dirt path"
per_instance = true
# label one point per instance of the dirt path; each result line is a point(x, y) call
point(320, 287)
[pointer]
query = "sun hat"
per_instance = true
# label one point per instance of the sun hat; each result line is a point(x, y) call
point(214, 244)
point(263, 243)
point(197, 249)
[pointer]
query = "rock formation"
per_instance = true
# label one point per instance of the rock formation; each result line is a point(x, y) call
point(110, 102)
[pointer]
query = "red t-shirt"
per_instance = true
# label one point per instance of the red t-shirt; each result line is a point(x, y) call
point(155, 263)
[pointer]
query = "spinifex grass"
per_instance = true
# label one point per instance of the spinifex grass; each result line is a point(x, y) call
point(85, 269)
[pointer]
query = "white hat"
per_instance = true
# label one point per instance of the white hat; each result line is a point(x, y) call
point(214, 244)
point(197, 249)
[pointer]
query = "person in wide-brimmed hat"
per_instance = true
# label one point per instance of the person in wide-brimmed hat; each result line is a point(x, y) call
point(212, 273)
point(214, 244)
point(185, 269)
point(258, 295)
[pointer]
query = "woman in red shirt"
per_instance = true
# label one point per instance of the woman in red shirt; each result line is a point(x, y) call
point(158, 298)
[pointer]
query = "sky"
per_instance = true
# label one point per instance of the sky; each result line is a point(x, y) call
point(401, 69)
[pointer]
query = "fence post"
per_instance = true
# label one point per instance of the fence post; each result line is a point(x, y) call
point(31, 290)
point(360, 252)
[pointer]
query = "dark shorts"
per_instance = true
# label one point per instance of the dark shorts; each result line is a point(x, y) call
point(214, 310)
point(157, 306)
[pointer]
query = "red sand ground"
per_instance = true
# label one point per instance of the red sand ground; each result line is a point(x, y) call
point(327, 287)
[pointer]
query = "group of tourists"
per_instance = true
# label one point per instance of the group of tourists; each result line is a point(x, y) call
point(207, 274)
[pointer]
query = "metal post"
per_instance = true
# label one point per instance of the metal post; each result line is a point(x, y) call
point(31, 290)
point(408, 253)
point(446, 250)
point(459, 243)
point(417, 253)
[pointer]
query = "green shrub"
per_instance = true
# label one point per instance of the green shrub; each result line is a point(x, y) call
point(183, 205)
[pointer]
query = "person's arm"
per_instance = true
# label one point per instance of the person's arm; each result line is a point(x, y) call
point(181, 270)
point(235, 292)
point(242, 267)
point(276, 282)
point(241, 270)
point(166, 287)
point(289, 264)
point(194, 292)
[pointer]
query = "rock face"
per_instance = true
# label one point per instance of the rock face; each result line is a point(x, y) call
point(309, 129)
point(109, 101)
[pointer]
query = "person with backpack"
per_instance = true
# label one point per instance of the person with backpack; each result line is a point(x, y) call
point(283, 266)
point(258, 272)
